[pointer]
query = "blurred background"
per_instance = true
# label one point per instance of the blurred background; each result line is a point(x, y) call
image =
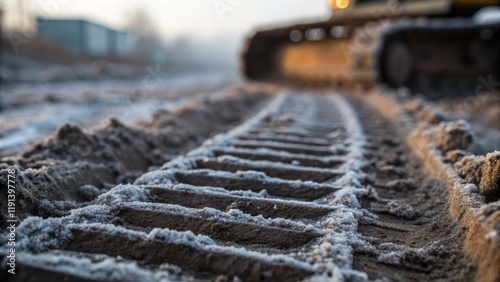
point(86, 61)
point(113, 37)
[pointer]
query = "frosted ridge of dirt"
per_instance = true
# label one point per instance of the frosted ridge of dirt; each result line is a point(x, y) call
point(423, 111)
point(157, 177)
point(218, 191)
point(39, 235)
point(337, 247)
point(123, 193)
point(275, 143)
point(451, 135)
point(205, 242)
point(321, 141)
point(243, 195)
point(270, 258)
point(395, 254)
point(269, 164)
point(60, 167)
point(266, 151)
point(182, 187)
point(182, 238)
point(401, 210)
point(105, 268)
point(233, 215)
point(357, 138)
point(490, 180)
point(91, 214)
point(36, 234)
point(110, 229)
point(183, 162)
point(168, 177)
point(469, 168)
point(55, 208)
point(432, 140)
point(467, 191)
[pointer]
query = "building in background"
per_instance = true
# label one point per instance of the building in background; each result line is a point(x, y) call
point(84, 37)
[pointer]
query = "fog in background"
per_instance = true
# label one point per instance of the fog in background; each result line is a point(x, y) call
point(187, 33)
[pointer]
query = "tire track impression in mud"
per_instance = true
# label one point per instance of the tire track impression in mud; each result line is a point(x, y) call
point(72, 167)
point(421, 241)
point(314, 187)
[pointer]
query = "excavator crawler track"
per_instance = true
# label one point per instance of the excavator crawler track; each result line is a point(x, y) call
point(436, 57)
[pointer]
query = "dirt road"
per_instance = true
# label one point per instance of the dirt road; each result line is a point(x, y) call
point(311, 186)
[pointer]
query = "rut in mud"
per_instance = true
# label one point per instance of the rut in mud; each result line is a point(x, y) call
point(72, 167)
point(423, 241)
point(313, 187)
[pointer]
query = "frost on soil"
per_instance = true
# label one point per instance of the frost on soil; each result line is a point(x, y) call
point(168, 177)
point(453, 135)
point(37, 235)
point(401, 210)
point(77, 165)
point(490, 181)
point(396, 254)
point(123, 193)
point(335, 252)
point(233, 215)
point(331, 255)
point(100, 267)
point(469, 168)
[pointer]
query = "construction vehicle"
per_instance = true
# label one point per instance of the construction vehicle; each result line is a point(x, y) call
point(426, 46)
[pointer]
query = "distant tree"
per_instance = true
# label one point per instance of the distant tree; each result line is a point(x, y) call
point(1, 16)
point(17, 16)
point(145, 40)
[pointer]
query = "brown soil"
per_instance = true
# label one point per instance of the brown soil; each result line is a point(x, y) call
point(449, 136)
point(469, 168)
point(483, 108)
point(62, 166)
point(155, 252)
point(425, 228)
point(428, 228)
point(224, 231)
point(482, 111)
point(490, 181)
point(477, 219)
point(253, 206)
point(278, 189)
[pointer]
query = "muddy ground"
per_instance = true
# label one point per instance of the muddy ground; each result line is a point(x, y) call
point(418, 235)
point(482, 111)
point(414, 212)
point(74, 165)
point(89, 104)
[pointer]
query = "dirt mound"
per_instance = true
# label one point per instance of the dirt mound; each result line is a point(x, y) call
point(454, 135)
point(483, 172)
point(469, 168)
point(422, 111)
point(443, 145)
point(56, 168)
point(490, 182)
point(483, 108)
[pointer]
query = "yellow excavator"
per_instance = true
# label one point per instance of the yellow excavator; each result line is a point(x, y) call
point(427, 46)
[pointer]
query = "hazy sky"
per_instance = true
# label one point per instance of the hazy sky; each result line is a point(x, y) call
point(201, 18)
point(215, 28)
